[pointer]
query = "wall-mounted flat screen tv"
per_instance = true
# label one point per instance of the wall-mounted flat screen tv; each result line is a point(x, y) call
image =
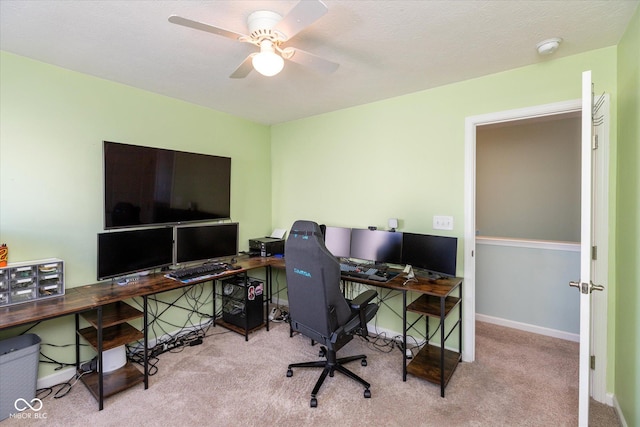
point(151, 186)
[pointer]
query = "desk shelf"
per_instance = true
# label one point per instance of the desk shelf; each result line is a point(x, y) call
point(426, 364)
point(113, 382)
point(112, 337)
point(429, 305)
point(433, 363)
point(115, 333)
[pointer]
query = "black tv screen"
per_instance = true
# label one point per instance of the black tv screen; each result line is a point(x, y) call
point(206, 242)
point(436, 254)
point(150, 186)
point(124, 252)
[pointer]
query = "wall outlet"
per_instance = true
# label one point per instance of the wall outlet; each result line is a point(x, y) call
point(442, 222)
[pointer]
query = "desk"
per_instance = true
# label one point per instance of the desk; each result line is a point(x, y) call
point(435, 300)
point(102, 304)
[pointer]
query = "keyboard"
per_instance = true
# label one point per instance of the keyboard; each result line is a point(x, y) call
point(359, 269)
point(361, 272)
point(200, 272)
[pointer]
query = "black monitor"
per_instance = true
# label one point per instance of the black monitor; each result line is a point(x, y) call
point(436, 254)
point(376, 245)
point(125, 252)
point(206, 242)
point(338, 241)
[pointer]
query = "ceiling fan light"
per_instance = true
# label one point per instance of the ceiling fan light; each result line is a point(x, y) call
point(267, 62)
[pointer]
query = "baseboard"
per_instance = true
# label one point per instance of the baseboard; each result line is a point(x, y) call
point(528, 327)
point(616, 406)
point(62, 376)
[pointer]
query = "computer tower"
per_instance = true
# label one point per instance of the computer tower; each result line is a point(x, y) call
point(242, 302)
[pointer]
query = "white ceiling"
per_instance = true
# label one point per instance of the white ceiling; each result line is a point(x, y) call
point(384, 48)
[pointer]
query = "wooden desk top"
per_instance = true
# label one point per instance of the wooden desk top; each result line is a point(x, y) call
point(436, 287)
point(88, 297)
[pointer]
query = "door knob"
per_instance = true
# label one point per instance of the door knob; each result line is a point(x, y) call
point(593, 287)
point(584, 288)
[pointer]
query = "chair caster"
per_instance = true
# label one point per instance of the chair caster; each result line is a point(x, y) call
point(322, 352)
point(367, 394)
point(289, 373)
point(363, 362)
point(314, 402)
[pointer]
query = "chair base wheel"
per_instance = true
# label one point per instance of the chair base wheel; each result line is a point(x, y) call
point(314, 402)
point(367, 394)
point(289, 372)
point(363, 362)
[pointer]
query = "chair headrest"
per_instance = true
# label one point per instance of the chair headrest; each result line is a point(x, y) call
point(305, 228)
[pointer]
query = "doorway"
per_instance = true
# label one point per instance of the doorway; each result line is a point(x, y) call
point(600, 306)
point(528, 224)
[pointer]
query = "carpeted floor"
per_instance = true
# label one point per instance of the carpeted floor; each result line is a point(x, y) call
point(518, 379)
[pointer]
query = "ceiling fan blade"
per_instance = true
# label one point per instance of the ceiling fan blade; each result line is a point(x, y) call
point(243, 69)
point(310, 60)
point(303, 14)
point(174, 19)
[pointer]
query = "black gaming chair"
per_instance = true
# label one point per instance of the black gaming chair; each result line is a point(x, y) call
point(317, 307)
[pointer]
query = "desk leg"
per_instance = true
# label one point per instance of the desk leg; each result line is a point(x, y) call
point(100, 366)
point(214, 284)
point(442, 338)
point(77, 343)
point(269, 289)
point(246, 301)
point(146, 342)
point(269, 296)
point(404, 335)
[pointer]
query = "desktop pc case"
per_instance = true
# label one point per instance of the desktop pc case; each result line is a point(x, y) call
point(242, 302)
point(266, 246)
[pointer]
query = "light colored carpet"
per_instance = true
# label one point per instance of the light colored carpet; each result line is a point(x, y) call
point(518, 379)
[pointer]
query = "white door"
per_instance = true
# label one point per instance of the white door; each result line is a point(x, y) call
point(585, 286)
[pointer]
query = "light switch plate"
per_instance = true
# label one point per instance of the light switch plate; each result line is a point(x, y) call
point(441, 222)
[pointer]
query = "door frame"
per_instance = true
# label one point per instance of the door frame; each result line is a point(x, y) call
point(601, 218)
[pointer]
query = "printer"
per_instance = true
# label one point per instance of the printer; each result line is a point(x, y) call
point(266, 246)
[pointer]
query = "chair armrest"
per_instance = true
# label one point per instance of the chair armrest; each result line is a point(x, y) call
point(361, 301)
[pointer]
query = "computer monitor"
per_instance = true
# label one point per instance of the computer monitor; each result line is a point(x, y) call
point(338, 241)
point(206, 242)
point(124, 252)
point(436, 254)
point(376, 245)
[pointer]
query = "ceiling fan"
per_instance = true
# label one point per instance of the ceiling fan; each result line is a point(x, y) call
point(269, 31)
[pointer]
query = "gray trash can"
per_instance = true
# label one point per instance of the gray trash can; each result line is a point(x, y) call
point(19, 358)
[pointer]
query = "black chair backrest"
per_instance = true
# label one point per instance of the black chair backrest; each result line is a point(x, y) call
point(313, 283)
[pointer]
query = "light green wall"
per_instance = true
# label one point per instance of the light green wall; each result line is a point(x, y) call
point(53, 124)
point(627, 265)
point(404, 157)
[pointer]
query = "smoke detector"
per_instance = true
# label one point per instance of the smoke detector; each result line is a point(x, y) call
point(548, 46)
